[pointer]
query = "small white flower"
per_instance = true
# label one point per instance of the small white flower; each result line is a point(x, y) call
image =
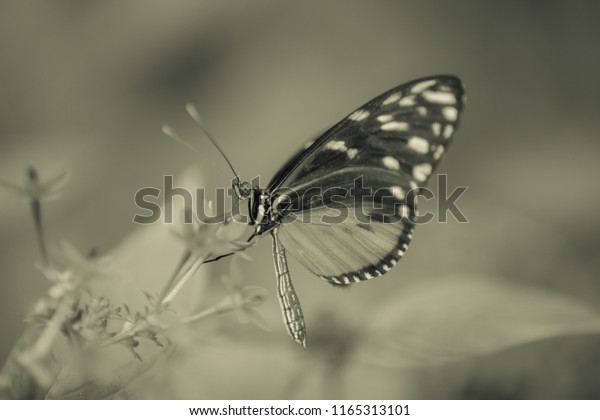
point(34, 190)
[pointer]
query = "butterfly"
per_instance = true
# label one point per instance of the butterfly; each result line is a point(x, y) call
point(312, 208)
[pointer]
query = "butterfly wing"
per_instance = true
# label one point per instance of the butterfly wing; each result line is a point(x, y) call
point(397, 122)
point(348, 252)
point(389, 146)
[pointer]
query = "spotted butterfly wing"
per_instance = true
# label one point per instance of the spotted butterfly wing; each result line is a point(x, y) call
point(391, 144)
point(344, 207)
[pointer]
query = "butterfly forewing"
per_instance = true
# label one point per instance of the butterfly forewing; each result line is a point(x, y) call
point(390, 146)
point(408, 123)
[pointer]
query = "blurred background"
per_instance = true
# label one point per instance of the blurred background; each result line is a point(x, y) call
point(505, 306)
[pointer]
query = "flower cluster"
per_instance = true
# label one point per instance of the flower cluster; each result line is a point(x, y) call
point(73, 314)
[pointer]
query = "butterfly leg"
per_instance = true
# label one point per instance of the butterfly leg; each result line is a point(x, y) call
point(288, 299)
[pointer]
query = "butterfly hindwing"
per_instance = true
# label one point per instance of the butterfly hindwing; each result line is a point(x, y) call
point(347, 252)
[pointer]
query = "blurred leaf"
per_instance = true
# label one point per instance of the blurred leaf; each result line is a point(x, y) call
point(460, 316)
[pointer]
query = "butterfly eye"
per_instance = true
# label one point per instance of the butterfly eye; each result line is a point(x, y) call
point(245, 189)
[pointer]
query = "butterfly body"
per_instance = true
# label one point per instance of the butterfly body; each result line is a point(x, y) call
point(345, 206)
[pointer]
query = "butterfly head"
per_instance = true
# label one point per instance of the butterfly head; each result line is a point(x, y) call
point(264, 210)
point(258, 207)
point(259, 204)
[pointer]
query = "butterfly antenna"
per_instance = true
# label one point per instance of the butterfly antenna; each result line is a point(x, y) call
point(168, 130)
point(191, 109)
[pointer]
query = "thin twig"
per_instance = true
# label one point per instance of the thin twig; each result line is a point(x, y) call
point(182, 281)
point(184, 259)
point(201, 315)
point(218, 258)
point(36, 211)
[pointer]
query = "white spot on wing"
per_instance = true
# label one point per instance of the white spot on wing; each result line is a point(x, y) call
point(352, 153)
point(359, 115)
point(384, 118)
point(450, 113)
point(339, 145)
point(395, 126)
point(422, 111)
point(392, 98)
point(413, 185)
point(438, 152)
point(421, 86)
point(422, 171)
point(404, 213)
point(391, 163)
point(444, 98)
point(368, 275)
point(398, 193)
point(407, 101)
point(448, 130)
point(436, 127)
point(418, 144)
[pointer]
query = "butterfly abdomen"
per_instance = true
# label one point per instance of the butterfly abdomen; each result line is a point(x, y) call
point(288, 299)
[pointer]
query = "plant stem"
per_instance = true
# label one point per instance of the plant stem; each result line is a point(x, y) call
point(223, 307)
point(184, 259)
point(182, 281)
point(36, 211)
point(200, 315)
